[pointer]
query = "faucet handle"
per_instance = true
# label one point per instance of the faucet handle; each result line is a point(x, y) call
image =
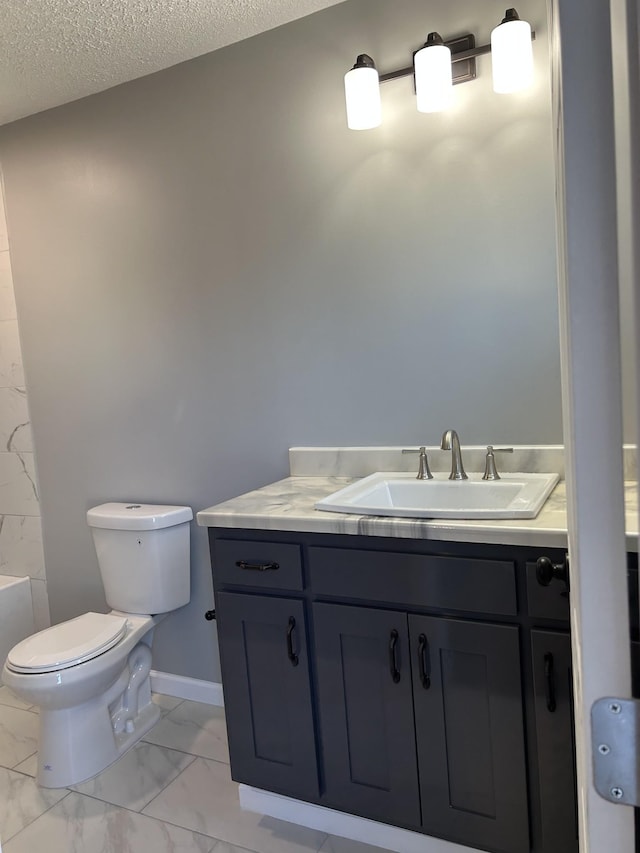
point(423, 464)
point(490, 471)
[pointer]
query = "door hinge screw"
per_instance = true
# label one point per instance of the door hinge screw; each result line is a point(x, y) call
point(615, 708)
point(603, 749)
point(617, 793)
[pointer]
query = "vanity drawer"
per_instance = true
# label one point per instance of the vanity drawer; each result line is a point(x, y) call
point(447, 583)
point(266, 565)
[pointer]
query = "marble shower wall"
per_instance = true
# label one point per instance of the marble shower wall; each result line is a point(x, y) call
point(21, 551)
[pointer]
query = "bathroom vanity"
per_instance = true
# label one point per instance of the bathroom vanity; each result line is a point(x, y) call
point(414, 673)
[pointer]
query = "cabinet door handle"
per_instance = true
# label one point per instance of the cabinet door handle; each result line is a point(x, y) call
point(257, 567)
point(293, 657)
point(393, 659)
point(424, 661)
point(549, 683)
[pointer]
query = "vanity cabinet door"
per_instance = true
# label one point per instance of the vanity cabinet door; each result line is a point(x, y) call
point(267, 693)
point(470, 733)
point(366, 714)
point(555, 737)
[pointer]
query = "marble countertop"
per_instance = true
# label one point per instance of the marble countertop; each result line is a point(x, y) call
point(288, 505)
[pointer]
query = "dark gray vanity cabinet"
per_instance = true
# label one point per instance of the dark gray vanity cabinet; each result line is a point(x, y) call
point(267, 692)
point(469, 731)
point(555, 764)
point(388, 681)
point(366, 712)
point(550, 649)
point(420, 684)
point(553, 697)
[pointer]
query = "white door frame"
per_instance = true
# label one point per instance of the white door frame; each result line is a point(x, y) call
point(582, 83)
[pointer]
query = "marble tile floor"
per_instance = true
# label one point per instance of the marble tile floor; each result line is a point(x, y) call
point(171, 793)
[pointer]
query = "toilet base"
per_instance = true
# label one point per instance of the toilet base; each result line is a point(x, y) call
point(77, 743)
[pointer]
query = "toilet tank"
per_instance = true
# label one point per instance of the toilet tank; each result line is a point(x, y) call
point(143, 554)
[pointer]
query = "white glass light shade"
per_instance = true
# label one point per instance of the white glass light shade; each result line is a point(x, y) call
point(511, 57)
point(362, 94)
point(434, 84)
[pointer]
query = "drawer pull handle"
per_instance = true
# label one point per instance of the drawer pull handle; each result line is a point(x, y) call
point(393, 660)
point(257, 567)
point(424, 661)
point(549, 683)
point(293, 657)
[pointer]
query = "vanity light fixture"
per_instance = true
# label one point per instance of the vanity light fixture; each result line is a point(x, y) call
point(362, 94)
point(433, 75)
point(440, 64)
point(511, 54)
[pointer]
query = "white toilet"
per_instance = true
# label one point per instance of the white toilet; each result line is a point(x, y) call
point(90, 675)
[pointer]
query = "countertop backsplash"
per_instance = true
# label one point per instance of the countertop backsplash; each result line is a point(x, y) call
point(361, 461)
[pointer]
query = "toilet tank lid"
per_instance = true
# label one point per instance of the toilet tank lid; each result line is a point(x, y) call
point(136, 516)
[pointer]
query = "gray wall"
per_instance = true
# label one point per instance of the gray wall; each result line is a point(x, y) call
point(210, 268)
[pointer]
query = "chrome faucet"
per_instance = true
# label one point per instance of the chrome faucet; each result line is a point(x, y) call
point(450, 441)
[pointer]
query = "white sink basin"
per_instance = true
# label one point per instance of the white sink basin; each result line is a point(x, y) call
point(400, 494)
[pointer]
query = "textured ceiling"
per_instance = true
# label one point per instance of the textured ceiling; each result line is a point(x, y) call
point(54, 51)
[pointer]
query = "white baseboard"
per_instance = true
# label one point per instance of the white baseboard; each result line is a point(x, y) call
point(344, 825)
point(209, 692)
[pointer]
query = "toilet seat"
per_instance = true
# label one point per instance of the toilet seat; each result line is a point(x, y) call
point(68, 644)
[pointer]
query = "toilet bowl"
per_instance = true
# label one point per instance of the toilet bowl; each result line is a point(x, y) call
point(90, 675)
